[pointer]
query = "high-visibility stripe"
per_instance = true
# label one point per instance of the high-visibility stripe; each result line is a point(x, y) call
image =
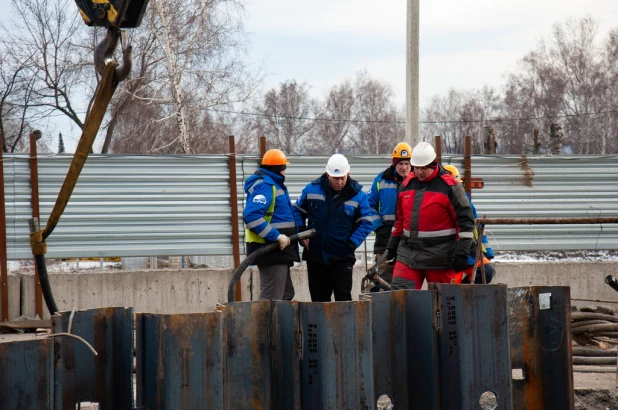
point(366, 218)
point(374, 217)
point(258, 182)
point(435, 234)
point(373, 210)
point(351, 203)
point(299, 208)
point(316, 196)
point(280, 192)
point(255, 223)
point(283, 225)
point(389, 217)
point(265, 231)
point(466, 235)
point(389, 185)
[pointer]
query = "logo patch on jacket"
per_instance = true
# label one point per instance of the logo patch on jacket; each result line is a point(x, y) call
point(260, 199)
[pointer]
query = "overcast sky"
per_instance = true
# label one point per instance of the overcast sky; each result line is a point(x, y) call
point(463, 44)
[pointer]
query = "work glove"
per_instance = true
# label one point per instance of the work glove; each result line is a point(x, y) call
point(489, 253)
point(460, 263)
point(283, 240)
point(391, 248)
point(470, 260)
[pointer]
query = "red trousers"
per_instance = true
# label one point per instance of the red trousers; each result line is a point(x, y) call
point(432, 275)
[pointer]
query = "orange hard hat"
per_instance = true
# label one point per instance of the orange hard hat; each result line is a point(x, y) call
point(274, 157)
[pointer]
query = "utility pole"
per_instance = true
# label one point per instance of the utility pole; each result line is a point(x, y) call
point(412, 73)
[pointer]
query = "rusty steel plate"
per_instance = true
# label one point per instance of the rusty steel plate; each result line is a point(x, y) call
point(541, 352)
point(474, 346)
point(337, 366)
point(106, 378)
point(180, 361)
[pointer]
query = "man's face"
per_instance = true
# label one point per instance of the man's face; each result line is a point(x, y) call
point(403, 168)
point(337, 183)
point(422, 173)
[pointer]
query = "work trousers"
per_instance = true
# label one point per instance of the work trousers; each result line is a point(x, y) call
point(419, 275)
point(275, 282)
point(324, 280)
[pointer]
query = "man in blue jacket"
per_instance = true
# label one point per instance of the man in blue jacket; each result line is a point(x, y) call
point(269, 218)
point(383, 201)
point(337, 208)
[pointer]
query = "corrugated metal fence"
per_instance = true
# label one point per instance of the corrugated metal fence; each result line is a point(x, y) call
point(180, 205)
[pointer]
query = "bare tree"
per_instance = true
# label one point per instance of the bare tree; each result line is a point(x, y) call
point(287, 117)
point(377, 126)
point(337, 112)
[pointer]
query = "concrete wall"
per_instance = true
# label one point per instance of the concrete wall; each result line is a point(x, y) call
point(13, 296)
point(196, 290)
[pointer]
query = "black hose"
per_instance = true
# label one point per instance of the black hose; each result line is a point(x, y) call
point(45, 286)
point(611, 281)
point(231, 290)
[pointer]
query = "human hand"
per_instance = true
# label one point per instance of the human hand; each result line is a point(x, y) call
point(304, 243)
point(283, 240)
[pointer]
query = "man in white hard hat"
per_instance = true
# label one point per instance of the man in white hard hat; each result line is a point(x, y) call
point(337, 208)
point(434, 227)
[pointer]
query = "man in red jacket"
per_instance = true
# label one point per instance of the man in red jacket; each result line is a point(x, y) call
point(434, 228)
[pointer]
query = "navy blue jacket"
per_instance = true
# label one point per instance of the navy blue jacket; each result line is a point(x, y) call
point(342, 220)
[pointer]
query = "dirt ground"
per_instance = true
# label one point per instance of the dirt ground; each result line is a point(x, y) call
point(595, 391)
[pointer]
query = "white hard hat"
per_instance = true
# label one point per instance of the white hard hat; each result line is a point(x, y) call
point(422, 155)
point(337, 166)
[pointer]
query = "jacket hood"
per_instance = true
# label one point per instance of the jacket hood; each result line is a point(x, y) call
point(268, 177)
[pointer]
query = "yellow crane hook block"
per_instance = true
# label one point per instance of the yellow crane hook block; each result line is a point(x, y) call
point(115, 13)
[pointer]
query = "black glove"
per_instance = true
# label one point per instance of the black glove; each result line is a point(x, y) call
point(460, 263)
point(391, 248)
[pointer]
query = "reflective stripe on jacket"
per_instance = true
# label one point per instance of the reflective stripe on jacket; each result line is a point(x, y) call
point(383, 203)
point(342, 220)
point(434, 221)
point(264, 190)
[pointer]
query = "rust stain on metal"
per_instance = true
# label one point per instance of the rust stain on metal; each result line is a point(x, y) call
point(528, 174)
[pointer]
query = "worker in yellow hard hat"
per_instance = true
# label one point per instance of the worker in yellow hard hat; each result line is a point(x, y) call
point(383, 200)
point(488, 253)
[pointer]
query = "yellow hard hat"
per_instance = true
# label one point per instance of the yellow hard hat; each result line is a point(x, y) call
point(454, 172)
point(402, 150)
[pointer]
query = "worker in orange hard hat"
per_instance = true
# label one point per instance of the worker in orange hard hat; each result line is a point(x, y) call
point(383, 201)
point(488, 253)
point(268, 218)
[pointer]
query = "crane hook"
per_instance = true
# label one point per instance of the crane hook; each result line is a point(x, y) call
point(104, 53)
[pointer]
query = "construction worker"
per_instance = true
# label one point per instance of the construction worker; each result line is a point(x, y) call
point(488, 253)
point(433, 232)
point(337, 208)
point(269, 218)
point(382, 201)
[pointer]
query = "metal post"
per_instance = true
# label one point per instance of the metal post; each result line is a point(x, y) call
point(4, 292)
point(34, 184)
point(438, 146)
point(467, 165)
point(412, 81)
point(234, 204)
point(262, 146)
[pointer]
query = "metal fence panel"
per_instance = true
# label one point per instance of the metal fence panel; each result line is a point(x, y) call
point(541, 354)
point(180, 361)
point(337, 368)
point(474, 346)
point(405, 348)
point(26, 374)
point(106, 378)
point(179, 205)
